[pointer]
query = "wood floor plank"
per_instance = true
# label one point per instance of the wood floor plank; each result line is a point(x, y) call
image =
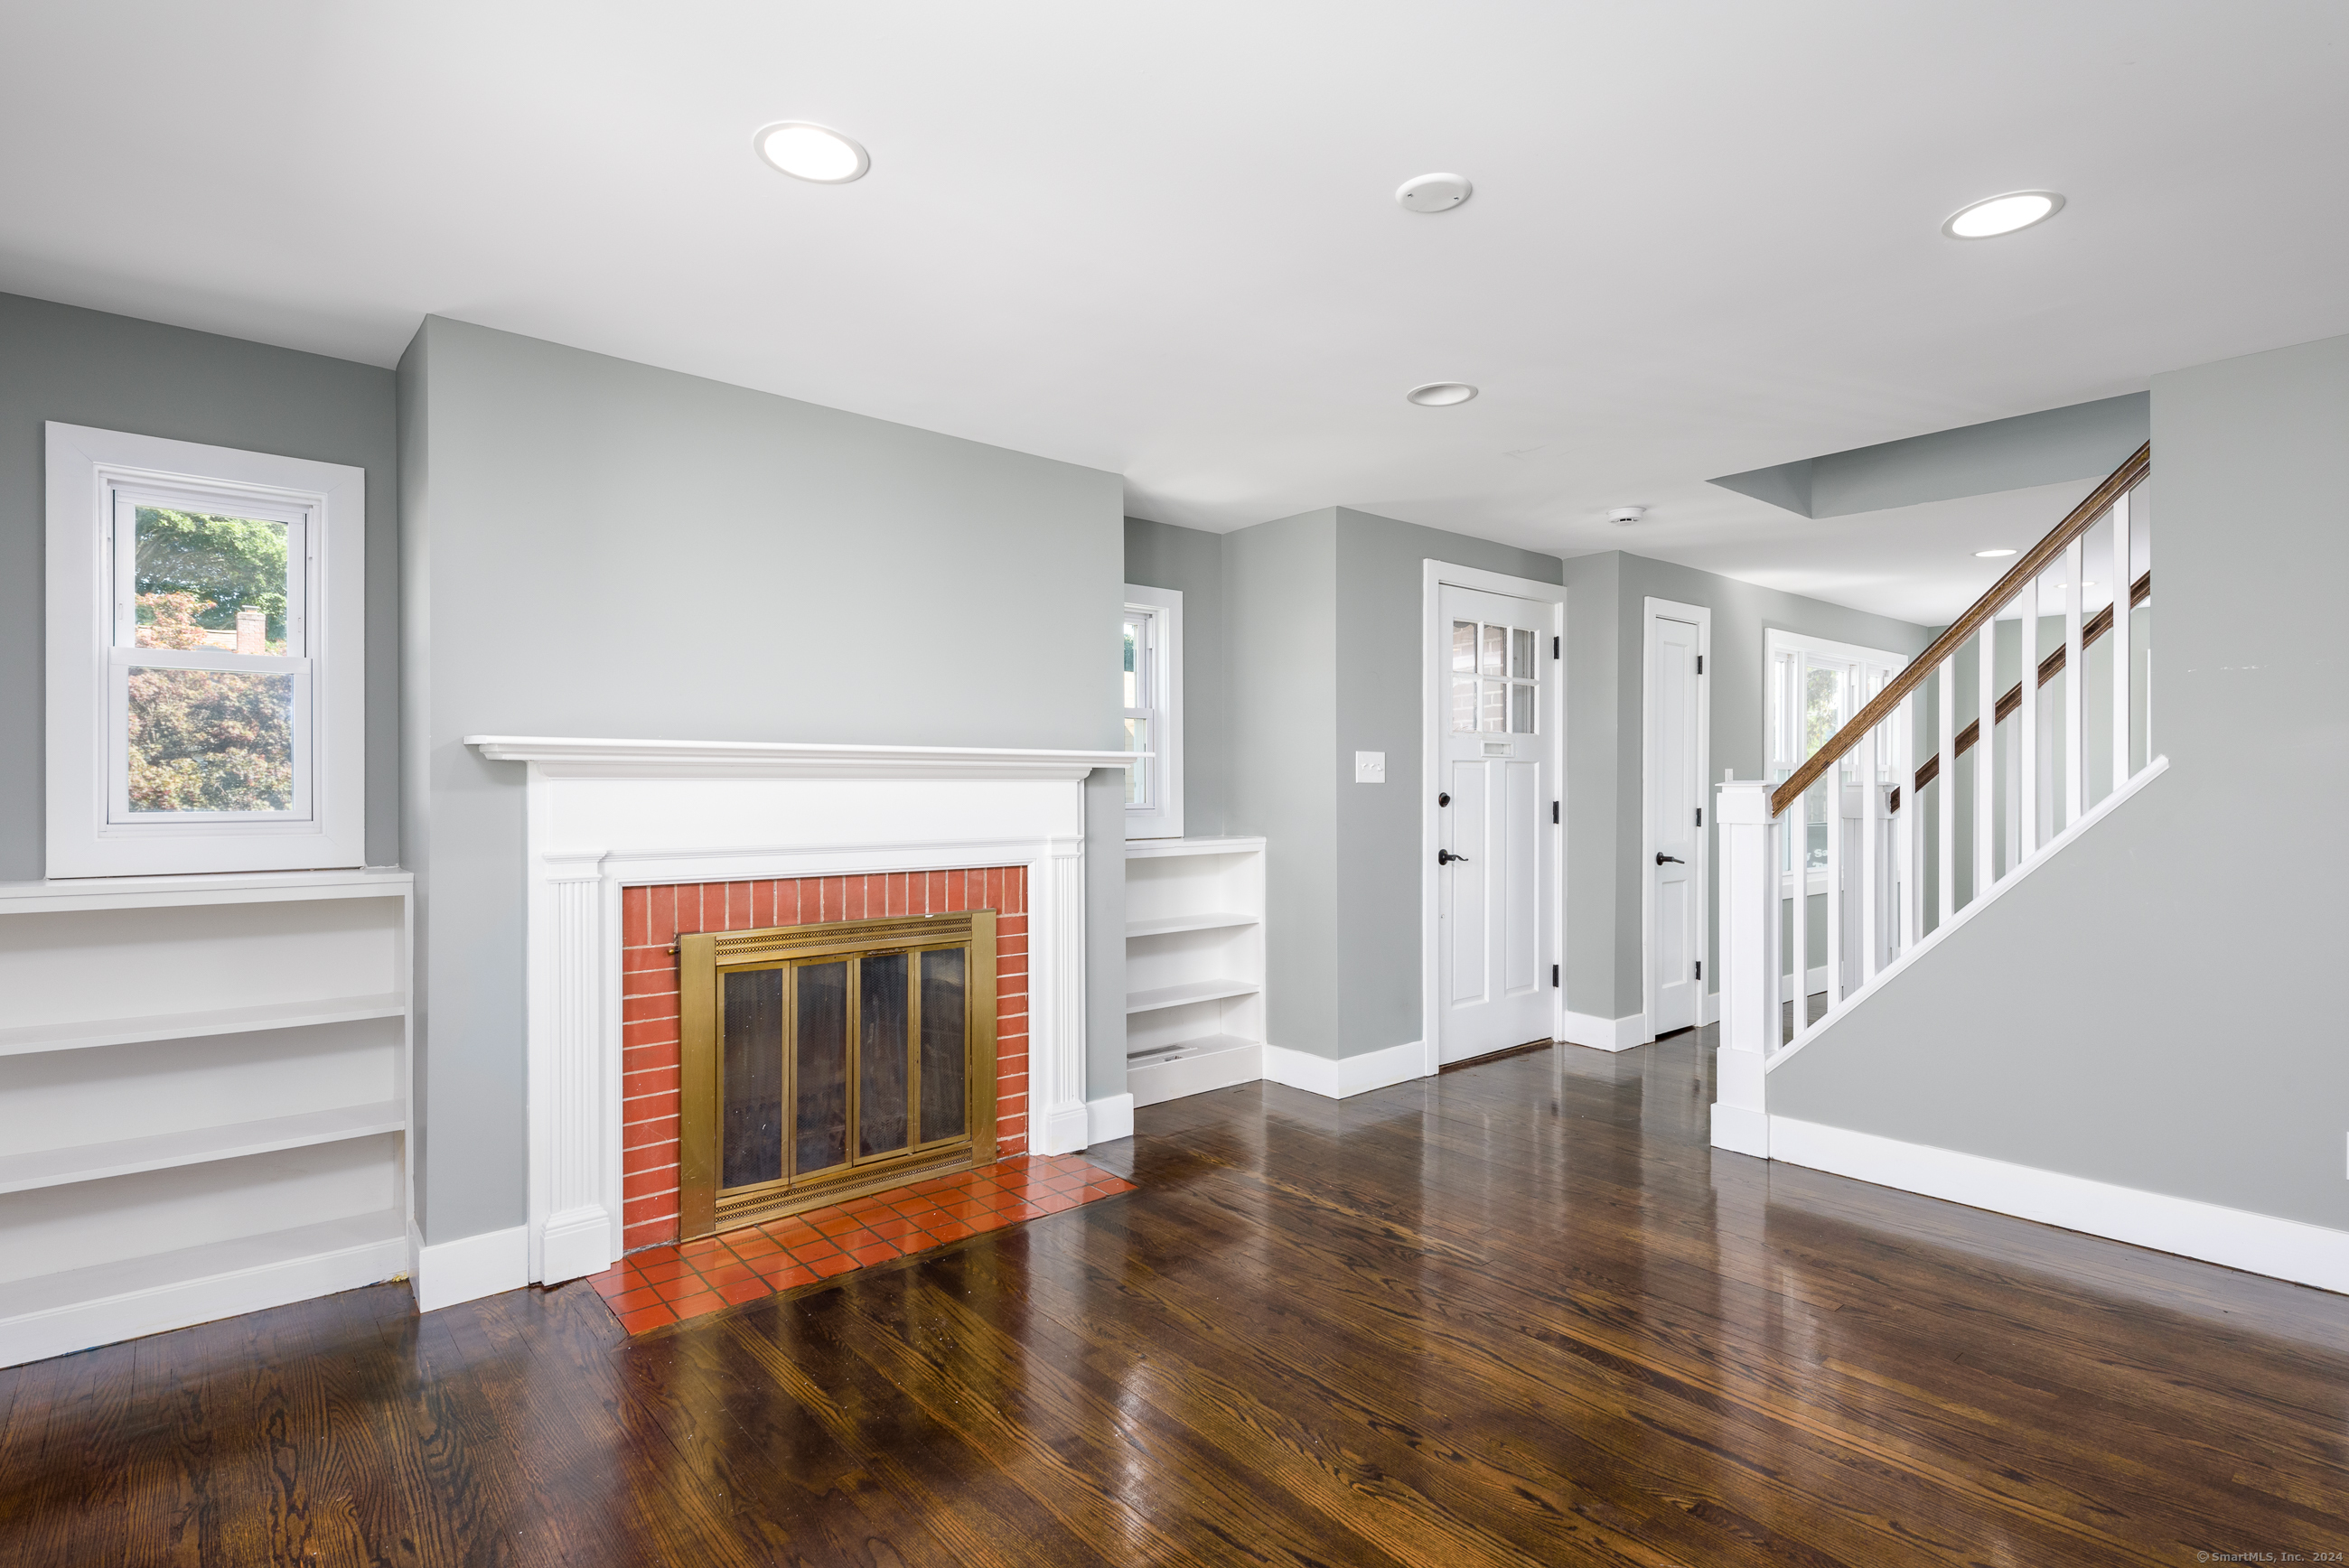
point(1518, 1314)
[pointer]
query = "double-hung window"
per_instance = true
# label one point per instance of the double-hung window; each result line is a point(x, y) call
point(204, 658)
point(1152, 678)
point(1815, 686)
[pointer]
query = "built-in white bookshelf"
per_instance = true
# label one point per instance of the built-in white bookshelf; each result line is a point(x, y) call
point(1193, 965)
point(204, 1090)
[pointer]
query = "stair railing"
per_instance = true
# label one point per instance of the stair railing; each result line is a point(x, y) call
point(1891, 776)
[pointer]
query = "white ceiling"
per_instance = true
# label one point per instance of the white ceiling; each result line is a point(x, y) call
point(1161, 240)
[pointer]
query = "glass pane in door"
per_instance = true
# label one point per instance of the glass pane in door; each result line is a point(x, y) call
point(944, 1087)
point(1521, 654)
point(1464, 702)
point(750, 1130)
point(1521, 708)
point(822, 1058)
point(1463, 646)
point(881, 1054)
point(1495, 711)
point(1496, 650)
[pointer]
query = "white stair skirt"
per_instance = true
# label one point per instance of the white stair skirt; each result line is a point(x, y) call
point(604, 814)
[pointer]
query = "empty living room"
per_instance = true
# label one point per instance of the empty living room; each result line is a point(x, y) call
point(1051, 785)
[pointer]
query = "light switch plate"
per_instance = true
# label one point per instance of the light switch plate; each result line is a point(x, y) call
point(1370, 767)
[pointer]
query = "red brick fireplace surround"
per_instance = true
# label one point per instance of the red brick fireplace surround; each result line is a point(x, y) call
point(652, 917)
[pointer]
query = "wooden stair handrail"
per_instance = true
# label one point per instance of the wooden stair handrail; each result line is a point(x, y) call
point(2035, 561)
point(2050, 667)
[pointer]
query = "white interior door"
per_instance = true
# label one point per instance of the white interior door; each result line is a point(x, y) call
point(1498, 780)
point(1675, 805)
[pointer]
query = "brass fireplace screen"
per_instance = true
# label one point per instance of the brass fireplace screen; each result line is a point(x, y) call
point(822, 1062)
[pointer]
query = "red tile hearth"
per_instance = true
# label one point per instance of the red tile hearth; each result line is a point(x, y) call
point(661, 1286)
point(652, 917)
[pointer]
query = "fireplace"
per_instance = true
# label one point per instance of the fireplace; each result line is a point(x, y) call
point(826, 1061)
point(619, 833)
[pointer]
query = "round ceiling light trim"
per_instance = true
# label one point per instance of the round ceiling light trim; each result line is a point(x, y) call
point(1440, 394)
point(1433, 192)
point(1992, 554)
point(2009, 214)
point(815, 153)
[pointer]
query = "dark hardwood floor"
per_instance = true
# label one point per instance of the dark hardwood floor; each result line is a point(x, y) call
point(1514, 1314)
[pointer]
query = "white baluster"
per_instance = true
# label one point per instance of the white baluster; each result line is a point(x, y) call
point(1798, 829)
point(1872, 865)
point(1750, 883)
point(1837, 816)
point(2075, 687)
point(1945, 795)
point(2026, 729)
point(1912, 859)
point(1985, 777)
point(2120, 637)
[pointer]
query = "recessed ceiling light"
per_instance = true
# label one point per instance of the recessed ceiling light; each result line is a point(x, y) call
point(2004, 215)
point(1433, 192)
point(813, 153)
point(1991, 555)
point(1440, 394)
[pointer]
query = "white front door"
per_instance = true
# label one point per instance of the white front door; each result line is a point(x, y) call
point(1497, 782)
point(1675, 831)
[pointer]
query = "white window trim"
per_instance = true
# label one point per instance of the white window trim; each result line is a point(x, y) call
point(1774, 643)
point(84, 467)
point(1163, 818)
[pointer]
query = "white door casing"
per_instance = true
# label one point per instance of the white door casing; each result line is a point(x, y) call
point(1674, 722)
point(1494, 670)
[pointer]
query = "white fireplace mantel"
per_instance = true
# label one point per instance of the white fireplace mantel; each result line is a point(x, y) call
point(604, 815)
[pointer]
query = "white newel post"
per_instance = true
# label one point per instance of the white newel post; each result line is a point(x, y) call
point(1749, 967)
point(579, 1235)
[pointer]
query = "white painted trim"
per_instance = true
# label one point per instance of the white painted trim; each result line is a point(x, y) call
point(84, 465)
point(472, 1267)
point(566, 758)
point(2236, 1238)
point(1434, 576)
point(1709, 1008)
point(1156, 848)
point(1347, 1076)
point(1109, 1119)
point(1179, 1078)
point(1701, 615)
point(173, 892)
point(1940, 933)
point(1164, 821)
point(240, 1277)
point(1604, 1033)
point(1741, 1129)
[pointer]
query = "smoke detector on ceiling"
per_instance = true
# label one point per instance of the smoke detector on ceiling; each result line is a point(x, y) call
point(1625, 516)
point(1433, 192)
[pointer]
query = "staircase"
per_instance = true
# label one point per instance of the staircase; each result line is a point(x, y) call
point(1955, 780)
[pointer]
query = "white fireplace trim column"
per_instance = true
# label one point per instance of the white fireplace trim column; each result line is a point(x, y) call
point(604, 815)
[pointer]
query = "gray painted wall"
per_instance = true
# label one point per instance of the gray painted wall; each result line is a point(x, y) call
point(596, 547)
point(86, 367)
point(1280, 597)
point(1191, 562)
point(2151, 1008)
point(1382, 688)
point(1606, 741)
point(2083, 441)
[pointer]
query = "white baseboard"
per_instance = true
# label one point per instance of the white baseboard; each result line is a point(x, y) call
point(2258, 1243)
point(1347, 1076)
point(472, 1267)
point(58, 1328)
point(575, 1244)
point(1603, 1034)
point(1061, 1131)
point(1741, 1129)
point(1109, 1119)
point(1155, 1083)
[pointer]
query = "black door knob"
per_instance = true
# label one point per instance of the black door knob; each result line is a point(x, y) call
point(1444, 797)
point(1445, 857)
point(1664, 860)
